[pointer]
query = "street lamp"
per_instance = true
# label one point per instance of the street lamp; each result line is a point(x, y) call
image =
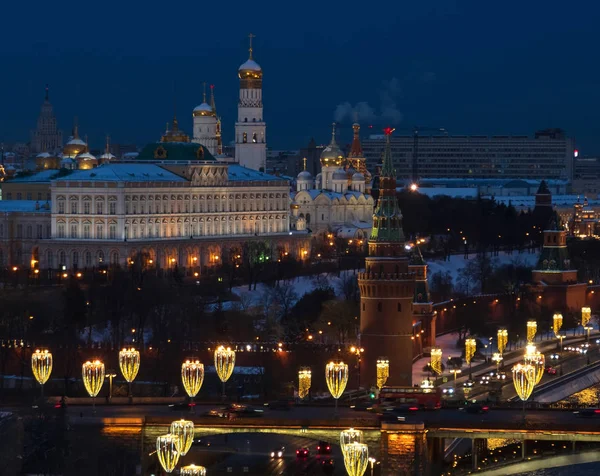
point(336, 376)
point(184, 431)
point(110, 375)
point(586, 315)
point(224, 364)
point(524, 382)
point(41, 365)
point(356, 458)
point(497, 357)
point(93, 378)
point(436, 360)
point(357, 351)
point(192, 470)
point(536, 360)
point(502, 339)
point(372, 461)
point(350, 436)
point(557, 322)
point(192, 377)
point(129, 362)
point(455, 372)
point(531, 330)
point(470, 347)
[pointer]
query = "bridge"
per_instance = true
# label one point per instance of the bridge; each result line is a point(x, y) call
point(413, 446)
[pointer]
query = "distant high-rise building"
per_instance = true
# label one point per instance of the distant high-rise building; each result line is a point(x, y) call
point(549, 155)
point(46, 137)
point(312, 154)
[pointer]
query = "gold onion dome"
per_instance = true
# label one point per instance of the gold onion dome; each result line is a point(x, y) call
point(75, 146)
point(46, 161)
point(332, 154)
point(86, 161)
point(250, 72)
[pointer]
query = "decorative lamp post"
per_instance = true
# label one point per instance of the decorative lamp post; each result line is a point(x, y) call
point(536, 360)
point(192, 470)
point(586, 315)
point(336, 376)
point(524, 382)
point(184, 431)
point(557, 322)
point(192, 377)
point(497, 357)
point(41, 365)
point(166, 449)
point(304, 381)
point(224, 364)
point(356, 459)
point(129, 362)
point(372, 461)
point(502, 340)
point(455, 372)
point(470, 348)
point(93, 378)
point(436, 360)
point(383, 371)
point(531, 331)
point(350, 436)
point(357, 351)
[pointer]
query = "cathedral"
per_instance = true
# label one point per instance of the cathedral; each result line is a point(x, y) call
point(337, 199)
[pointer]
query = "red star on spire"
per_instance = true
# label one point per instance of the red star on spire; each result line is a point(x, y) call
point(388, 131)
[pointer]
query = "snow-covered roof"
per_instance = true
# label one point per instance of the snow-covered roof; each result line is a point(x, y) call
point(76, 142)
point(203, 107)
point(124, 172)
point(250, 65)
point(42, 176)
point(314, 193)
point(238, 173)
point(22, 206)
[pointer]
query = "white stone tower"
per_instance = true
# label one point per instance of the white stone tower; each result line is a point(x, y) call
point(250, 128)
point(205, 124)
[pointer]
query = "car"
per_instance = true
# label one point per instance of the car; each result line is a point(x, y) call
point(182, 406)
point(328, 465)
point(588, 413)
point(323, 448)
point(215, 413)
point(551, 371)
point(244, 410)
point(279, 405)
point(406, 408)
point(278, 452)
point(302, 452)
point(362, 407)
point(476, 408)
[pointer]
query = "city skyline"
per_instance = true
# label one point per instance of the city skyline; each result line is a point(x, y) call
point(515, 79)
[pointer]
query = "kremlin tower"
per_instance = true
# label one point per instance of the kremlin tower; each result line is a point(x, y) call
point(250, 128)
point(206, 122)
point(387, 288)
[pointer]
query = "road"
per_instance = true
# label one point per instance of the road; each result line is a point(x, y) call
point(510, 418)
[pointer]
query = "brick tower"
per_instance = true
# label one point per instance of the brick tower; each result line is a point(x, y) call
point(387, 288)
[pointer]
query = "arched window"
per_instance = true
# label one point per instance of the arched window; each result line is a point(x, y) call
point(100, 256)
point(114, 257)
point(88, 258)
point(62, 258)
point(245, 137)
point(75, 259)
point(254, 138)
point(49, 260)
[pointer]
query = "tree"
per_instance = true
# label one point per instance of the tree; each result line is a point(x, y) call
point(349, 288)
point(256, 255)
point(475, 275)
point(441, 285)
point(340, 318)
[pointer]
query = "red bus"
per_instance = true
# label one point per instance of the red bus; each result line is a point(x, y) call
point(419, 398)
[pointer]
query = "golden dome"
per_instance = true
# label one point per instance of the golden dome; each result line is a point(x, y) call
point(332, 155)
point(86, 161)
point(45, 161)
point(174, 134)
point(75, 146)
point(250, 72)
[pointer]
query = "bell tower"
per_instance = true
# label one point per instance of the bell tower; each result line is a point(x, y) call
point(387, 287)
point(250, 128)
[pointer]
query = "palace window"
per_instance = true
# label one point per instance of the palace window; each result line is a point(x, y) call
point(61, 206)
point(86, 231)
point(112, 232)
point(112, 208)
point(245, 138)
point(99, 232)
point(73, 230)
point(61, 230)
point(86, 207)
point(29, 231)
point(73, 207)
point(254, 138)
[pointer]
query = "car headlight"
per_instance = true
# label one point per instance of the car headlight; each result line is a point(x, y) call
point(279, 454)
point(272, 454)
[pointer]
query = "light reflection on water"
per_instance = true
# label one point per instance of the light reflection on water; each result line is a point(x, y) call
point(588, 469)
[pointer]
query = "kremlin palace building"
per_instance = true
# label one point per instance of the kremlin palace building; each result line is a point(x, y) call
point(181, 202)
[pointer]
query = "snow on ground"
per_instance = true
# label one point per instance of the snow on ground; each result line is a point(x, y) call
point(456, 262)
point(301, 285)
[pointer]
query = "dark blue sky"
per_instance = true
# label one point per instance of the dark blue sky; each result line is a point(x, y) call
point(472, 67)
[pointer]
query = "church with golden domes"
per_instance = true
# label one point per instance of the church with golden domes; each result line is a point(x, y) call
point(337, 200)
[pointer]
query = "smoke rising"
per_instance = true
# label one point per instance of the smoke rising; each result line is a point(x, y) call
point(364, 112)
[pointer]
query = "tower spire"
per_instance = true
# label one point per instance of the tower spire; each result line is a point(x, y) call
point(356, 148)
point(388, 168)
point(250, 36)
point(304, 160)
point(107, 149)
point(212, 100)
point(333, 142)
point(75, 128)
point(204, 91)
point(47, 95)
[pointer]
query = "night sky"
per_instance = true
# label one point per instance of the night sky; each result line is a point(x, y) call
point(470, 67)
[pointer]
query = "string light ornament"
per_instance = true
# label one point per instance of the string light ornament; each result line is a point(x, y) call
point(192, 377)
point(166, 450)
point(531, 330)
point(383, 371)
point(523, 380)
point(336, 376)
point(502, 340)
point(350, 436)
point(470, 348)
point(304, 381)
point(192, 470)
point(557, 322)
point(129, 362)
point(93, 376)
point(586, 315)
point(224, 362)
point(356, 459)
point(436, 360)
point(536, 360)
point(41, 366)
point(184, 431)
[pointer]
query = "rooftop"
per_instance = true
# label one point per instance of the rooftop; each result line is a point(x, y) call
point(237, 173)
point(124, 172)
point(26, 206)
